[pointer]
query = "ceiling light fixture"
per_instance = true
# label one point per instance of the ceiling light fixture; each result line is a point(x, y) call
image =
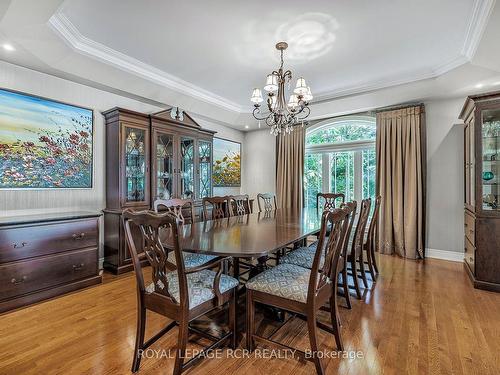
point(8, 47)
point(282, 116)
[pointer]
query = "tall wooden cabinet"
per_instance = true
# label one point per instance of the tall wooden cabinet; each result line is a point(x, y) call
point(148, 157)
point(481, 115)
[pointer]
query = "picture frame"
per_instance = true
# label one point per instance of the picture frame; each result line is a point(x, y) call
point(45, 143)
point(226, 163)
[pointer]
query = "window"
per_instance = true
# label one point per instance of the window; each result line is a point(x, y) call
point(340, 157)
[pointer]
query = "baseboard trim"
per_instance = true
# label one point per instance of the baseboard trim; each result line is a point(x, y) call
point(454, 256)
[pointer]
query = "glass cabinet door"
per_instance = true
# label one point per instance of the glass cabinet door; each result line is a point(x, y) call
point(164, 166)
point(187, 168)
point(136, 179)
point(205, 168)
point(490, 173)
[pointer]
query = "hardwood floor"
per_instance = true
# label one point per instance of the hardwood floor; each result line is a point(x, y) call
point(417, 319)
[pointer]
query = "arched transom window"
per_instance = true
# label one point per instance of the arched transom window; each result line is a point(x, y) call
point(340, 158)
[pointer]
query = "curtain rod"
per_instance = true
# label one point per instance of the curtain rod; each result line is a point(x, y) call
point(401, 106)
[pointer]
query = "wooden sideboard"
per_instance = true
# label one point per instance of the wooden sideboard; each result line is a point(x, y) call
point(42, 256)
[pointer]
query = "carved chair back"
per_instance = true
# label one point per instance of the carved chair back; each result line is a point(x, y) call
point(266, 202)
point(220, 208)
point(239, 205)
point(329, 200)
point(150, 224)
point(182, 209)
point(359, 232)
point(370, 240)
point(337, 222)
point(350, 207)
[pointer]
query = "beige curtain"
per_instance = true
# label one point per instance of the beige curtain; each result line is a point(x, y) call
point(290, 168)
point(401, 181)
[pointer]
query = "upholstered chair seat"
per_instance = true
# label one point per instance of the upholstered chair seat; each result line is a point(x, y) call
point(303, 257)
point(199, 285)
point(191, 260)
point(285, 280)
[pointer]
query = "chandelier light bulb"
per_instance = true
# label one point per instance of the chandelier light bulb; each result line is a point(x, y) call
point(294, 101)
point(271, 83)
point(300, 87)
point(256, 96)
point(308, 95)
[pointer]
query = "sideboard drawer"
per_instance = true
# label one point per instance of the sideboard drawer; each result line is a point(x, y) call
point(35, 240)
point(32, 275)
point(470, 254)
point(470, 228)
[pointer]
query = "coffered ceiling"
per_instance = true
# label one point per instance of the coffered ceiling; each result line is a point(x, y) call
point(210, 54)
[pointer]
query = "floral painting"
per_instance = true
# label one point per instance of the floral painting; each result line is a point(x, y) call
point(43, 143)
point(227, 163)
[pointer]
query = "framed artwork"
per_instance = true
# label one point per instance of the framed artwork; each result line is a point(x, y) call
point(227, 163)
point(44, 144)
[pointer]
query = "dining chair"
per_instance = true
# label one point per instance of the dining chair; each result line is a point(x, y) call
point(355, 251)
point(220, 208)
point(266, 202)
point(329, 200)
point(302, 291)
point(370, 244)
point(239, 205)
point(183, 210)
point(181, 295)
point(304, 256)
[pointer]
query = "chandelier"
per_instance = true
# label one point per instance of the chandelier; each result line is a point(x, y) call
point(282, 116)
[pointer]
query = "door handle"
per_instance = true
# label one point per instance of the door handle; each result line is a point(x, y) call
point(78, 236)
point(18, 281)
point(78, 267)
point(17, 246)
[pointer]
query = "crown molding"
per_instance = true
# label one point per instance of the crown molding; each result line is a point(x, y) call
point(477, 22)
point(89, 47)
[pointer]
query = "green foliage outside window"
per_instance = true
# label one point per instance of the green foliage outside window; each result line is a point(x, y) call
point(342, 164)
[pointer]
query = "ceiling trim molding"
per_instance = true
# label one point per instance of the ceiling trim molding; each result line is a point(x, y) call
point(477, 22)
point(60, 23)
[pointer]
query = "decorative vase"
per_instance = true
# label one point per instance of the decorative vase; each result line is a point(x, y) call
point(488, 176)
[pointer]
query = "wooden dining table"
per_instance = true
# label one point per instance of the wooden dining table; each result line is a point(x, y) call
point(253, 235)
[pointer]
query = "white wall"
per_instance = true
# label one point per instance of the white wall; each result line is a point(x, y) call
point(445, 202)
point(17, 202)
point(259, 163)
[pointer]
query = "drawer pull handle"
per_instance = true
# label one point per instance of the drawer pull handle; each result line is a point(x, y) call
point(78, 267)
point(17, 246)
point(78, 236)
point(18, 281)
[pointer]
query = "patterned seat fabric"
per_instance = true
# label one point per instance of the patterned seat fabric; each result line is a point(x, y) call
point(303, 257)
point(199, 285)
point(191, 260)
point(313, 245)
point(285, 280)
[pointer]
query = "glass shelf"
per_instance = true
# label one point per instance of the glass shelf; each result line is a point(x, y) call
point(164, 165)
point(135, 164)
point(490, 173)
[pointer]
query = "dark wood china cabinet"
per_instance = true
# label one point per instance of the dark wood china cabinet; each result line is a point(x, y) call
point(160, 156)
point(481, 115)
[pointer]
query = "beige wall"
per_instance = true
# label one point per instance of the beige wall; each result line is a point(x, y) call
point(259, 163)
point(445, 203)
